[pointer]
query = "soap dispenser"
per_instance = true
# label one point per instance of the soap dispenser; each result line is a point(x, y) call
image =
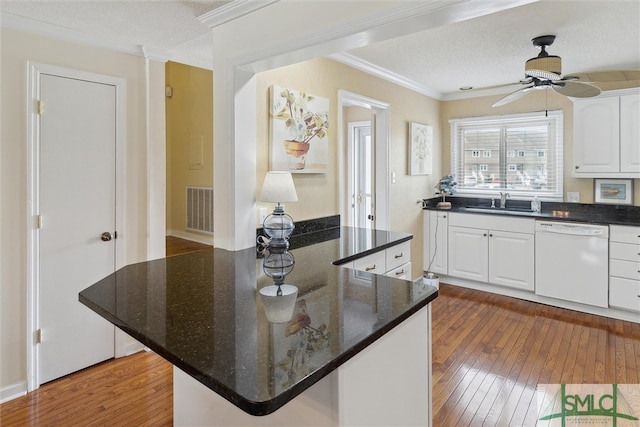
point(535, 204)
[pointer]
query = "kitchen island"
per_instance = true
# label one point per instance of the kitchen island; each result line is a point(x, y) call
point(356, 352)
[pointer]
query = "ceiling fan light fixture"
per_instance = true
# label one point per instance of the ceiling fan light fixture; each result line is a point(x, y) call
point(550, 64)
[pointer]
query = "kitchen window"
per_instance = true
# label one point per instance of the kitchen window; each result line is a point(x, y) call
point(534, 139)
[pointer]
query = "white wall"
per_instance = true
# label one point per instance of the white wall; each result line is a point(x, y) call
point(140, 232)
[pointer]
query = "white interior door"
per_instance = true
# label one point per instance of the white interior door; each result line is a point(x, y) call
point(77, 195)
point(363, 170)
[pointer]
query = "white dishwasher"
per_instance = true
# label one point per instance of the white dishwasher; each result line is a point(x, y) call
point(572, 262)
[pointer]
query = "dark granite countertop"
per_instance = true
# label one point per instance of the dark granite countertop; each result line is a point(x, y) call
point(202, 312)
point(576, 212)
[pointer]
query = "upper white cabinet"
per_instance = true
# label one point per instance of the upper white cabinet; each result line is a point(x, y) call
point(606, 135)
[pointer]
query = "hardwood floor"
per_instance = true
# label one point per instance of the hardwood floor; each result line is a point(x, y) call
point(178, 246)
point(489, 354)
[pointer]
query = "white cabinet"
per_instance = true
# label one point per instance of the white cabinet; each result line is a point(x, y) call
point(624, 267)
point(490, 249)
point(393, 262)
point(606, 136)
point(435, 238)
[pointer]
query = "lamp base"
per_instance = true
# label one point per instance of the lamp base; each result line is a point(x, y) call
point(443, 205)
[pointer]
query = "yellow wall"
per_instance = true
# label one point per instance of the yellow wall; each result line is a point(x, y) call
point(533, 101)
point(189, 113)
point(318, 194)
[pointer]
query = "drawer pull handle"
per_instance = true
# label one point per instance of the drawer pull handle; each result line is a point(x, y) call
point(402, 254)
point(398, 273)
point(373, 267)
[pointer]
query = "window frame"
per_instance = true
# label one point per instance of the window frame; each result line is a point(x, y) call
point(553, 154)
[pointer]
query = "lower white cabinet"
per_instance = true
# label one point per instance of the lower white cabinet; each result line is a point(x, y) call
point(394, 262)
point(624, 267)
point(500, 253)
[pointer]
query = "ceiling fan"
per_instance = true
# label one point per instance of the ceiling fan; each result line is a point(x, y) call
point(545, 72)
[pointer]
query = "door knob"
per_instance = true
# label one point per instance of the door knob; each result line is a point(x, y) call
point(106, 236)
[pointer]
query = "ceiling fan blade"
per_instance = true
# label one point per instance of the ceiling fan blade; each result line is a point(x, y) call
point(606, 76)
point(521, 82)
point(513, 96)
point(575, 89)
point(544, 75)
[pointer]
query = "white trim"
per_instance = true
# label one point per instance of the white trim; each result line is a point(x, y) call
point(194, 237)
point(382, 126)
point(377, 71)
point(232, 11)
point(13, 391)
point(49, 30)
point(34, 71)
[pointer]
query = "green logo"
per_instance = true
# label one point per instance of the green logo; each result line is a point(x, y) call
point(582, 407)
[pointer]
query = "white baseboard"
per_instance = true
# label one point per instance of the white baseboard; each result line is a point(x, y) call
point(13, 391)
point(194, 237)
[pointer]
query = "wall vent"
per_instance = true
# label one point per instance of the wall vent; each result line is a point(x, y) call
point(200, 209)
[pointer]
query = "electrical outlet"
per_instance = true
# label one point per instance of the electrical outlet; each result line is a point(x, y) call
point(573, 197)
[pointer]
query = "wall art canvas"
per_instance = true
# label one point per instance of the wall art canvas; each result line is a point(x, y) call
point(299, 123)
point(420, 149)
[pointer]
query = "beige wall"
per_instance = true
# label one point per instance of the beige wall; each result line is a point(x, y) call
point(534, 101)
point(189, 111)
point(318, 194)
point(16, 49)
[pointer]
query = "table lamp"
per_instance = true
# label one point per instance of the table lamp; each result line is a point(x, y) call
point(277, 188)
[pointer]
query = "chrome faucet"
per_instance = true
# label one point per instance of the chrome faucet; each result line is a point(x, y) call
point(503, 199)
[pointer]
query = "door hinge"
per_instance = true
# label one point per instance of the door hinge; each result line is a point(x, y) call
point(40, 107)
point(39, 336)
point(39, 222)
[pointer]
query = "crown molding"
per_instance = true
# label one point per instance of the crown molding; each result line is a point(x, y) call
point(232, 11)
point(383, 73)
point(45, 29)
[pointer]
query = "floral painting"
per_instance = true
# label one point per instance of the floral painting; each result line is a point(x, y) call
point(299, 124)
point(420, 149)
point(302, 345)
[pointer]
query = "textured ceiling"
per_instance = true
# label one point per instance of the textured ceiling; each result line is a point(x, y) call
point(592, 35)
point(491, 50)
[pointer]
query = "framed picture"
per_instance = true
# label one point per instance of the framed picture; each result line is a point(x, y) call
point(614, 191)
point(299, 123)
point(420, 149)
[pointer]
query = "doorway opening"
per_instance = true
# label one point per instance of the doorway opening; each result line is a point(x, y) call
point(364, 143)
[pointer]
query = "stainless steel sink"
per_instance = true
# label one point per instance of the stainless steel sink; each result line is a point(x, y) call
point(507, 211)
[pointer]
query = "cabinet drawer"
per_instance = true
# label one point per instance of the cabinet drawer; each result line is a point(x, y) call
point(374, 263)
point(624, 234)
point(624, 251)
point(402, 272)
point(626, 269)
point(398, 255)
point(624, 293)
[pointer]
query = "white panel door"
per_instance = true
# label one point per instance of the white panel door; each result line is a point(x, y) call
point(468, 253)
point(77, 203)
point(511, 259)
point(630, 133)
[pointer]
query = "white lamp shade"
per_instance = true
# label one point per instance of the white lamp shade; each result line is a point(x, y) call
point(278, 187)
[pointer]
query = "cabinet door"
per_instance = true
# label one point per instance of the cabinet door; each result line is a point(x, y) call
point(596, 135)
point(511, 259)
point(630, 133)
point(468, 253)
point(436, 255)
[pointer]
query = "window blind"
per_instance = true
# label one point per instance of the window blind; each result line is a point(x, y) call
point(520, 154)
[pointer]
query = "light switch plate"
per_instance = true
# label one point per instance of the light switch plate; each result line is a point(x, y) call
point(573, 197)
point(263, 214)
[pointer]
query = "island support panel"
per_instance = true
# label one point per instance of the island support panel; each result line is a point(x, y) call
point(387, 384)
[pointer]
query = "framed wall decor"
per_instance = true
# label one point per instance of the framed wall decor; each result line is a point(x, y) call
point(299, 124)
point(613, 191)
point(420, 149)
